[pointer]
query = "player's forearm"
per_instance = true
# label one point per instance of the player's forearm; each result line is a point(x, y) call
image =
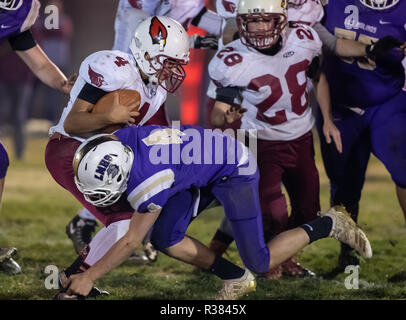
point(113, 258)
point(323, 97)
point(350, 48)
point(122, 249)
point(43, 67)
point(80, 123)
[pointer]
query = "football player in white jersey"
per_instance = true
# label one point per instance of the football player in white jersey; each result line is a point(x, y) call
point(268, 68)
point(160, 48)
point(130, 13)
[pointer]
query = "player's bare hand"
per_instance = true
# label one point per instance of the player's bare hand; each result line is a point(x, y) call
point(67, 85)
point(332, 133)
point(79, 284)
point(234, 113)
point(120, 113)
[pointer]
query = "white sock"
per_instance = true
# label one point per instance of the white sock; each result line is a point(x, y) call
point(105, 239)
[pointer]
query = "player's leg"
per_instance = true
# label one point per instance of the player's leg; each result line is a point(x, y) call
point(346, 171)
point(7, 263)
point(239, 196)
point(80, 229)
point(302, 185)
point(388, 133)
point(272, 159)
point(169, 237)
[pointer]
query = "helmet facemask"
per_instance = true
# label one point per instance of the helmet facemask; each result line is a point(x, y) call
point(379, 4)
point(10, 4)
point(169, 72)
point(264, 38)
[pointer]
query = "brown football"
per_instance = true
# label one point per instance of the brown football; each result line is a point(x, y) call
point(128, 98)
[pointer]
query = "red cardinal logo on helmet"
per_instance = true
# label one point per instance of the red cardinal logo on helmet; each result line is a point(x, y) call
point(137, 4)
point(96, 78)
point(158, 32)
point(229, 6)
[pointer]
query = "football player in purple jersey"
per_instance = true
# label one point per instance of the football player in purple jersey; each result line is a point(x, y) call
point(368, 103)
point(168, 176)
point(16, 19)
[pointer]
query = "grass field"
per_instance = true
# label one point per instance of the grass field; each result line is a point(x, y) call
point(36, 210)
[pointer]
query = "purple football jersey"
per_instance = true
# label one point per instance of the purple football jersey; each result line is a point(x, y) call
point(168, 160)
point(13, 22)
point(356, 82)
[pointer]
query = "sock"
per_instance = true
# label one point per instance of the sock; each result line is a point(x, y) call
point(318, 229)
point(225, 269)
point(78, 266)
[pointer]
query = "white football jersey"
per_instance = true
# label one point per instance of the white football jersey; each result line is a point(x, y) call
point(130, 13)
point(273, 88)
point(310, 12)
point(109, 71)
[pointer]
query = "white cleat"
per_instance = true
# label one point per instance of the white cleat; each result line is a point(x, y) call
point(346, 230)
point(236, 288)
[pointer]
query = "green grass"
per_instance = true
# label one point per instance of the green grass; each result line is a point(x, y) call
point(36, 210)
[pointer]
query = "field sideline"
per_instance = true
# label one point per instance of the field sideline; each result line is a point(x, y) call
point(36, 210)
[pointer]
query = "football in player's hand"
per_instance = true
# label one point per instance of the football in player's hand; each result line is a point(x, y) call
point(124, 97)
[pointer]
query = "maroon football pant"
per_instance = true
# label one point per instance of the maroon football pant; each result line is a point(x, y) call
point(292, 164)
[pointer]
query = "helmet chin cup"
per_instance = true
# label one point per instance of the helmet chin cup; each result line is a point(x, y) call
point(379, 4)
point(10, 5)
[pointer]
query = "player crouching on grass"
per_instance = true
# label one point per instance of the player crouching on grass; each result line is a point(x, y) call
point(153, 168)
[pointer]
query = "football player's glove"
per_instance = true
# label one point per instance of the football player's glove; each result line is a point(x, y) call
point(204, 42)
point(377, 50)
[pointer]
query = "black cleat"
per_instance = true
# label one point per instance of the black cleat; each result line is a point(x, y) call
point(80, 231)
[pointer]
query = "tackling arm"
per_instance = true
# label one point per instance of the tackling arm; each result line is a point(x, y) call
point(140, 224)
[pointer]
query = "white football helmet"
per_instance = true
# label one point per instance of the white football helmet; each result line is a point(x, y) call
point(272, 11)
point(10, 4)
point(102, 166)
point(379, 4)
point(160, 46)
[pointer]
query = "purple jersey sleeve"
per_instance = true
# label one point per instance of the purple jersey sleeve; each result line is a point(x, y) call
point(14, 22)
point(357, 82)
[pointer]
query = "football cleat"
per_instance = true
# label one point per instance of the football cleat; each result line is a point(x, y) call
point(274, 273)
point(150, 252)
point(7, 263)
point(80, 231)
point(234, 289)
point(344, 229)
point(138, 258)
point(292, 268)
